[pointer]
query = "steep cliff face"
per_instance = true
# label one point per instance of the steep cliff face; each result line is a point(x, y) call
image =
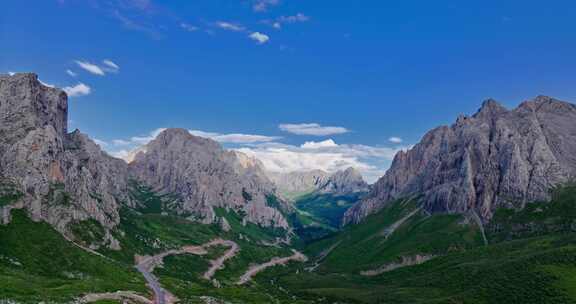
point(63, 178)
point(494, 158)
point(206, 176)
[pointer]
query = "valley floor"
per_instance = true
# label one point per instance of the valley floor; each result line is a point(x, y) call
point(400, 255)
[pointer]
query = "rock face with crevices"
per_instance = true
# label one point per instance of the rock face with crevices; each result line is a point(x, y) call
point(497, 157)
point(206, 176)
point(64, 177)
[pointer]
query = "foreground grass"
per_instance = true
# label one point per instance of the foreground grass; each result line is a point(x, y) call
point(38, 264)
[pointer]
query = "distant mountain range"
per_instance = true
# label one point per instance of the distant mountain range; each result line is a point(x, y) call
point(294, 184)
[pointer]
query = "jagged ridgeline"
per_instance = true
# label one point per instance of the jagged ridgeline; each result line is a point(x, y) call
point(495, 158)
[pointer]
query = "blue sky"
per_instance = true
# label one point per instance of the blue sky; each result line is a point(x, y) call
point(370, 70)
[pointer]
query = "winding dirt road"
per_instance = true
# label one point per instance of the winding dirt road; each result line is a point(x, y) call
point(255, 269)
point(146, 266)
point(219, 262)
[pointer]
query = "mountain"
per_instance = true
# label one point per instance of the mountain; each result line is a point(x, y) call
point(298, 183)
point(320, 199)
point(345, 182)
point(58, 177)
point(495, 158)
point(205, 177)
point(66, 180)
point(293, 184)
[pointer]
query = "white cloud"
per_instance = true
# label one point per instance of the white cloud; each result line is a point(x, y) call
point(395, 139)
point(46, 84)
point(11, 73)
point(78, 90)
point(278, 22)
point(264, 5)
point(318, 145)
point(101, 143)
point(234, 138)
point(121, 142)
point(293, 19)
point(189, 27)
point(71, 73)
point(142, 140)
point(259, 37)
point(110, 66)
point(91, 68)
point(327, 155)
point(230, 26)
point(312, 129)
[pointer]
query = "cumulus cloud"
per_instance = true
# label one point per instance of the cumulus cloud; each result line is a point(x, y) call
point(264, 5)
point(313, 129)
point(71, 73)
point(259, 37)
point(90, 68)
point(395, 140)
point(230, 26)
point(318, 145)
point(325, 155)
point(78, 90)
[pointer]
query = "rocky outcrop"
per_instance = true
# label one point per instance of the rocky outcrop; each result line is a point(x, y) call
point(345, 182)
point(497, 157)
point(64, 177)
point(206, 176)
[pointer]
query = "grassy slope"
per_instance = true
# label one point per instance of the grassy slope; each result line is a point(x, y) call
point(368, 247)
point(8, 193)
point(521, 265)
point(327, 208)
point(538, 270)
point(150, 229)
point(536, 218)
point(318, 215)
point(47, 267)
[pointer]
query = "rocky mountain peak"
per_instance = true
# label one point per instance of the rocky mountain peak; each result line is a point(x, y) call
point(206, 177)
point(26, 104)
point(64, 178)
point(490, 109)
point(474, 166)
